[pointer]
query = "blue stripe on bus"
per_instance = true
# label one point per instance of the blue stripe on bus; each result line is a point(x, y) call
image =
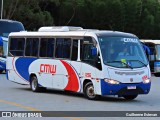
point(22, 66)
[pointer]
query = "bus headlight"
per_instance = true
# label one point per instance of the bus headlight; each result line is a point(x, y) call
point(146, 81)
point(110, 81)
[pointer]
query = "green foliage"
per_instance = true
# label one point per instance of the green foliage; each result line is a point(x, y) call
point(140, 17)
point(28, 12)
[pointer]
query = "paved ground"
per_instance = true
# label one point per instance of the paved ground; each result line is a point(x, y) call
point(15, 97)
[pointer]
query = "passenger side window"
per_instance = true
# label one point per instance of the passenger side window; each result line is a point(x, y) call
point(47, 47)
point(63, 48)
point(17, 46)
point(32, 47)
point(86, 49)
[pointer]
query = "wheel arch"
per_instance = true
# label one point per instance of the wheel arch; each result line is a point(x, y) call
point(85, 82)
point(32, 75)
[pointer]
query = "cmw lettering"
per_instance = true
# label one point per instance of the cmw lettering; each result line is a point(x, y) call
point(47, 68)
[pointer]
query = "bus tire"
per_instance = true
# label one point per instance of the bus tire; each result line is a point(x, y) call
point(89, 92)
point(34, 84)
point(130, 97)
point(1, 71)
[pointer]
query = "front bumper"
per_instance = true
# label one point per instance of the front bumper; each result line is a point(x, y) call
point(122, 88)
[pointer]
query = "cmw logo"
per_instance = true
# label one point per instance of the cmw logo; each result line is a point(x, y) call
point(47, 68)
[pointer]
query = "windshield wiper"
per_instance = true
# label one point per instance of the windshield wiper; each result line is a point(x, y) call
point(140, 62)
point(127, 64)
point(122, 62)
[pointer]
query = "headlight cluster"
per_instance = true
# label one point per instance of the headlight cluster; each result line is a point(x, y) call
point(110, 81)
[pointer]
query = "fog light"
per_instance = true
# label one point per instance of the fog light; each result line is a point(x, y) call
point(111, 81)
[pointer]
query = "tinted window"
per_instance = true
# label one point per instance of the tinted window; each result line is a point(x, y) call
point(63, 46)
point(86, 51)
point(32, 47)
point(17, 46)
point(47, 47)
point(75, 50)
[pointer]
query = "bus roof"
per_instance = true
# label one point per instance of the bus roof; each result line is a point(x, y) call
point(7, 20)
point(84, 32)
point(150, 41)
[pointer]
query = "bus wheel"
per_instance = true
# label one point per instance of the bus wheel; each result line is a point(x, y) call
point(34, 84)
point(130, 97)
point(89, 92)
point(1, 71)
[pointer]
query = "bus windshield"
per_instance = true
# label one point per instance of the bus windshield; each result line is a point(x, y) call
point(122, 52)
point(6, 27)
point(9, 26)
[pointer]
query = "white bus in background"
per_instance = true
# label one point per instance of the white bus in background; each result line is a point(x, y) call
point(79, 60)
point(153, 55)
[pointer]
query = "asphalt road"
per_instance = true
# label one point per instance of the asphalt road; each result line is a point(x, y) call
point(15, 97)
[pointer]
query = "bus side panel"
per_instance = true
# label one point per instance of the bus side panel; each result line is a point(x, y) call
point(88, 72)
point(14, 71)
point(75, 73)
point(100, 75)
point(72, 77)
point(58, 74)
point(51, 73)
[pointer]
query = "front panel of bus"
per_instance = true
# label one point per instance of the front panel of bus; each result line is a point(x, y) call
point(3, 53)
point(7, 26)
point(125, 67)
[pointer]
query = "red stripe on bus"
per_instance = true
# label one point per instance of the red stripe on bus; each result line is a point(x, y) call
point(73, 84)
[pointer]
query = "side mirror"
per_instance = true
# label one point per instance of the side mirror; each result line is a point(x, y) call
point(94, 51)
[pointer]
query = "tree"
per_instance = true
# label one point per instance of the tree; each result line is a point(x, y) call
point(28, 12)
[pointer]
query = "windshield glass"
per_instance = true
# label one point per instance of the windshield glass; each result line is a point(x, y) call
point(3, 48)
point(122, 52)
point(7, 27)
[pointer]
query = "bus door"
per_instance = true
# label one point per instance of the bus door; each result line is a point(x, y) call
point(151, 56)
point(90, 62)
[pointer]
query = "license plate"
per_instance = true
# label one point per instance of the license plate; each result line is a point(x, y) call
point(131, 87)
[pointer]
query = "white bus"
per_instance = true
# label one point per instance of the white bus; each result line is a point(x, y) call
point(153, 55)
point(79, 60)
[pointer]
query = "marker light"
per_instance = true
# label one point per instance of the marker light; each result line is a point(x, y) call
point(110, 81)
